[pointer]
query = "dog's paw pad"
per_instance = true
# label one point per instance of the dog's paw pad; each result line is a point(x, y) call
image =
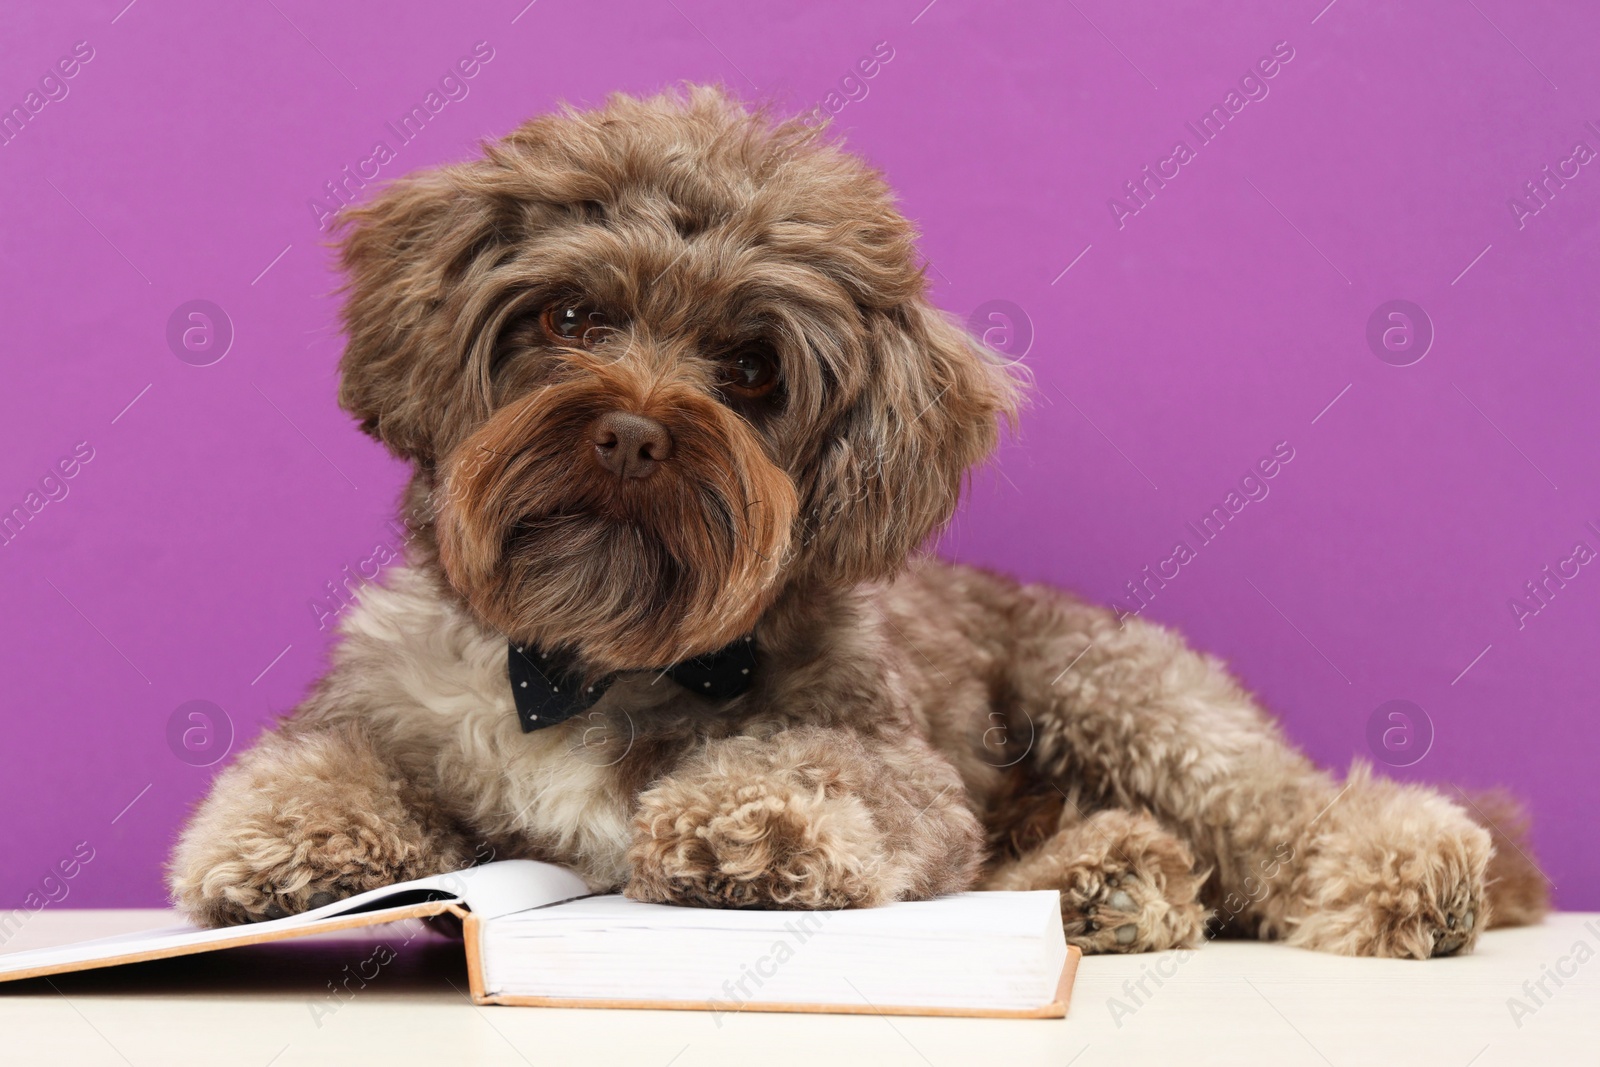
point(1126, 912)
point(1455, 932)
point(1105, 912)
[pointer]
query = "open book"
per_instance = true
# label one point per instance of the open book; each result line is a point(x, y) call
point(536, 936)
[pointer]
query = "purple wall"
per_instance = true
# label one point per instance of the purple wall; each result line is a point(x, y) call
point(1176, 339)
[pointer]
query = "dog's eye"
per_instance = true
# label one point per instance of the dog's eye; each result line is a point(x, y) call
point(750, 373)
point(574, 325)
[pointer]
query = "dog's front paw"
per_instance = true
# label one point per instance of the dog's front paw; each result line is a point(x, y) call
point(1394, 871)
point(238, 889)
point(759, 844)
point(295, 825)
point(270, 870)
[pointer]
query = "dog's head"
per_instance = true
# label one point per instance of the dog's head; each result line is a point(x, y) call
point(657, 361)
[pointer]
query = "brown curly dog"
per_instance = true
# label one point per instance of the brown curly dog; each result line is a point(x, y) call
point(680, 416)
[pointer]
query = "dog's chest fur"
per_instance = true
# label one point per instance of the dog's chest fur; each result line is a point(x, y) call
point(430, 685)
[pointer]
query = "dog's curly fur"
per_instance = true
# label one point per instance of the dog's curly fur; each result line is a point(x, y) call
point(915, 728)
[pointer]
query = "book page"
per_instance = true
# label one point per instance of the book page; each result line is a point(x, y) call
point(958, 917)
point(491, 890)
point(1001, 951)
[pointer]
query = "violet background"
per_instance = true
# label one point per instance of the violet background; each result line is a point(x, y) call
point(1173, 354)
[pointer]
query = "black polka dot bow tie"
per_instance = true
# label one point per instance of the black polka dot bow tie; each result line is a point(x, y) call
point(549, 691)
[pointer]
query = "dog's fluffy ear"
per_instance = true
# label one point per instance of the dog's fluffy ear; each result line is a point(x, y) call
point(403, 370)
point(928, 409)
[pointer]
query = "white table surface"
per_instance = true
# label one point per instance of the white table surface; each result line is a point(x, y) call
point(1228, 1003)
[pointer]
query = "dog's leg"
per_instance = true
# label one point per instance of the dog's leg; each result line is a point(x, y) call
point(1389, 870)
point(304, 818)
point(1139, 721)
point(807, 818)
point(1127, 885)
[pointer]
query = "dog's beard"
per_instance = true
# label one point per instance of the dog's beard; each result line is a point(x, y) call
point(628, 573)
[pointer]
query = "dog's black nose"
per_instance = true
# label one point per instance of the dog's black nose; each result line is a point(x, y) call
point(629, 445)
